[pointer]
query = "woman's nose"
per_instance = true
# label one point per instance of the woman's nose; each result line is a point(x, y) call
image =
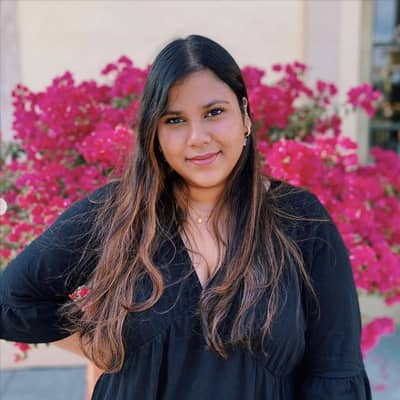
point(198, 134)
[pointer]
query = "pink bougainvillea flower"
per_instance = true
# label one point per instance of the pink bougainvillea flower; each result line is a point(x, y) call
point(23, 351)
point(22, 346)
point(364, 96)
point(80, 293)
point(374, 330)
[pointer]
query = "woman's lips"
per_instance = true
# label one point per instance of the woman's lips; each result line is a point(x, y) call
point(204, 159)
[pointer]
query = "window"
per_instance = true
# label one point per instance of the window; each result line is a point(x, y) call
point(385, 126)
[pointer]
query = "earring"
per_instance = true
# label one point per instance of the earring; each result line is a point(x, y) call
point(246, 138)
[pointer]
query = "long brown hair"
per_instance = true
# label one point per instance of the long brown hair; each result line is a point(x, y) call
point(137, 217)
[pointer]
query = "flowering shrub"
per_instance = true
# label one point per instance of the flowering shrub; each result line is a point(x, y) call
point(23, 348)
point(362, 200)
point(73, 136)
point(374, 330)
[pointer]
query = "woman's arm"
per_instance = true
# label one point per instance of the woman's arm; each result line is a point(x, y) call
point(93, 373)
point(36, 284)
point(70, 343)
point(332, 367)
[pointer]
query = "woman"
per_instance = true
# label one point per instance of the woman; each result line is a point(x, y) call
point(207, 279)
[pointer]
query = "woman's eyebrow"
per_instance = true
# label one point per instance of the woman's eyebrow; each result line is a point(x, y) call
point(211, 103)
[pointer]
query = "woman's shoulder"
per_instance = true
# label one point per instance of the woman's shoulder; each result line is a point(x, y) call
point(94, 200)
point(103, 193)
point(296, 201)
point(299, 213)
point(79, 218)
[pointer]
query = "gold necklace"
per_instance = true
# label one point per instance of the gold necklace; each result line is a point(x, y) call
point(198, 217)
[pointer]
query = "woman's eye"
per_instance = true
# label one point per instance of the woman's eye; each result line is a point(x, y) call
point(173, 121)
point(215, 111)
point(212, 113)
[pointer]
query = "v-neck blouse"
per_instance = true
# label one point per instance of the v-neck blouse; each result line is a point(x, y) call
point(308, 356)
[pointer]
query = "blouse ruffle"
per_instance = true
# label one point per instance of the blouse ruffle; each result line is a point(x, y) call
point(331, 387)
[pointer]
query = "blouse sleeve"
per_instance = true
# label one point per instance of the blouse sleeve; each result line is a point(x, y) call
point(332, 367)
point(37, 282)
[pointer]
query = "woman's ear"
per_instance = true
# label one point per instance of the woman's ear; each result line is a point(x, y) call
point(247, 120)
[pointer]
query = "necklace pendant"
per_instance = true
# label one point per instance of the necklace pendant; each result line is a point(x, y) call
point(199, 220)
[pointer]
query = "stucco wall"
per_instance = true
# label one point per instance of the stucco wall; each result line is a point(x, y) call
point(10, 72)
point(84, 35)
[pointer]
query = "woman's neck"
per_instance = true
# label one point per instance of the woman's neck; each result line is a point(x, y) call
point(203, 199)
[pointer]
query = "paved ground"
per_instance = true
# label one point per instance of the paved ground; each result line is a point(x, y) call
point(43, 384)
point(383, 367)
point(68, 383)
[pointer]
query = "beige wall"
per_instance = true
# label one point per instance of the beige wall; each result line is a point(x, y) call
point(84, 35)
point(10, 73)
point(338, 39)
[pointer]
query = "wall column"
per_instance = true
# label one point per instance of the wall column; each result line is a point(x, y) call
point(10, 68)
point(338, 49)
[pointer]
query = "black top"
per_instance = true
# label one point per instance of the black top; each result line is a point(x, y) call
point(308, 357)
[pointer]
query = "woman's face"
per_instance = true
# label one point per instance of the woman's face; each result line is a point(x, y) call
point(201, 135)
